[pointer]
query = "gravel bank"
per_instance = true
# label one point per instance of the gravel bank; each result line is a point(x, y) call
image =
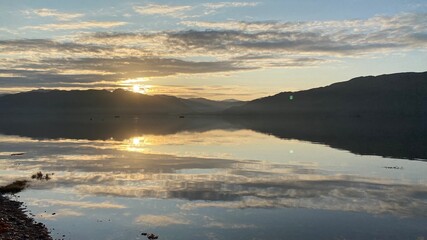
point(16, 225)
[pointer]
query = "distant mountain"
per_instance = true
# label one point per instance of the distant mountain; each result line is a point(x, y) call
point(203, 105)
point(103, 102)
point(393, 94)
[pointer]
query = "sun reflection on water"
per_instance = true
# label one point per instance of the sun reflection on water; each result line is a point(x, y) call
point(135, 144)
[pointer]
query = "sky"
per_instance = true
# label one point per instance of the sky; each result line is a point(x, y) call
point(212, 49)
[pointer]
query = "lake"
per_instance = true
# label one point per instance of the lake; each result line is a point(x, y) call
point(115, 177)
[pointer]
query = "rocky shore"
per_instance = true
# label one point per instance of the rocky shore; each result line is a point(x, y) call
point(16, 225)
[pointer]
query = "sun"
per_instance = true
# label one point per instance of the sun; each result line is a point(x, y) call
point(136, 141)
point(136, 88)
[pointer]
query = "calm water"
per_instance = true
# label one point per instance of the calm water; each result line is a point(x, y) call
point(215, 179)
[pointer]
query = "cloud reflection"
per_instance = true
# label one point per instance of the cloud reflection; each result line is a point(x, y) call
point(80, 204)
point(60, 213)
point(161, 220)
point(108, 169)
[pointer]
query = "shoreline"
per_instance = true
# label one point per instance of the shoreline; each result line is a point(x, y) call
point(16, 224)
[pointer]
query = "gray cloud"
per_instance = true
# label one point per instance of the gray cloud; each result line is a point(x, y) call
point(48, 71)
point(340, 38)
point(145, 66)
point(43, 45)
point(284, 42)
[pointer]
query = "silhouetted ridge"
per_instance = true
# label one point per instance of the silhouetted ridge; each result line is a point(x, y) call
point(401, 94)
point(90, 101)
point(103, 101)
point(204, 105)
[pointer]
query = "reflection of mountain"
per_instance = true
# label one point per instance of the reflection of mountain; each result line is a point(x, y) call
point(395, 94)
point(103, 127)
point(388, 137)
point(103, 101)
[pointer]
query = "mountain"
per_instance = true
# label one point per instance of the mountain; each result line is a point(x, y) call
point(393, 94)
point(401, 94)
point(104, 102)
point(203, 105)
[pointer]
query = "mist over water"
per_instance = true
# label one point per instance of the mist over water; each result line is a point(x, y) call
point(218, 178)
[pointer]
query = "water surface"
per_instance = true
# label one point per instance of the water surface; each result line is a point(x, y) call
point(209, 178)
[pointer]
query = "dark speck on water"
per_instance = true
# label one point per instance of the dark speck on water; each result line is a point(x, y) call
point(41, 176)
point(394, 167)
point(17, 154)
point(150, 235)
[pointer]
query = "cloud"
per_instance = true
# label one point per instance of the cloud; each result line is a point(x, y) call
point(218, 5)
point(76, 25)
point(166, 10)
point(132, 67)
point(7, 32)
point(86, 70)
point(187, 11)
point(233, 43)
point(47, 46)
point(205, 48)
point(46, 12)
point(338, 38)
point(211, 8)
point(231, 25)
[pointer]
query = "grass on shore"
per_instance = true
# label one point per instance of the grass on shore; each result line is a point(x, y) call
point(14, 187)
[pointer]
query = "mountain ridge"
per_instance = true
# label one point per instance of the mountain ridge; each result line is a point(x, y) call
point(399, 93)
point(118, 101)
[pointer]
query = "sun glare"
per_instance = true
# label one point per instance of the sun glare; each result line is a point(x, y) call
point(136, 141)
point(139, 89)
point(137, 85)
